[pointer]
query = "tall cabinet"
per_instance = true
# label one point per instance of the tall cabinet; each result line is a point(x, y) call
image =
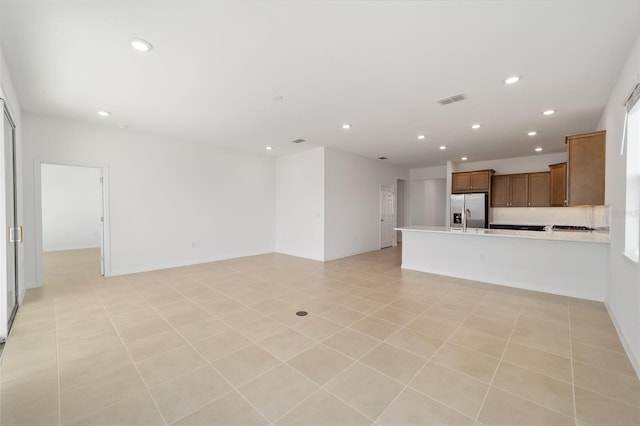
point(585, 168)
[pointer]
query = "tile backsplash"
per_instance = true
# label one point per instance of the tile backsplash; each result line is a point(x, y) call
point(591, 216)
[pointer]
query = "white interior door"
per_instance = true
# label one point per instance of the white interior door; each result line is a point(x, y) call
point(387, 216)
point(8, 219)
point(102, 267)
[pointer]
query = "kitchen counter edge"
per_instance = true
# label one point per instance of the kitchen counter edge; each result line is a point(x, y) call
point(585, 237)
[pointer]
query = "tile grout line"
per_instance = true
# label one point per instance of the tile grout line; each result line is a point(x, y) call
point(573, 379)
point(207, 362)
point(210, 364)
point(347, 327)
point(132, 363)
point(495, 373)
point(354, 361)
point(406, 386)
point(55, 314)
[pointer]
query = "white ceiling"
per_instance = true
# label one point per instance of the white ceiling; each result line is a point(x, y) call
point(379, 65)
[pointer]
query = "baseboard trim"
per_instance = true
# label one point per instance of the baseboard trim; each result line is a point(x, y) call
point(627, 348)
point(157, 267)
point(351, 253)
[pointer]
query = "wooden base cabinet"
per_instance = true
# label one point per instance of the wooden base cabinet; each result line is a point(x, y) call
point(585, 168)
point(558, 185)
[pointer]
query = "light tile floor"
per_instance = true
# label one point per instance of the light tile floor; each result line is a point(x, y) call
point(220, 343)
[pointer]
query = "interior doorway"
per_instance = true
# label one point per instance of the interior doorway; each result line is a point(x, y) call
point(73, 221)
point(387, 216)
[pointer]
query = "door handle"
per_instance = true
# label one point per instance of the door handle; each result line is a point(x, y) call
point(15, 235)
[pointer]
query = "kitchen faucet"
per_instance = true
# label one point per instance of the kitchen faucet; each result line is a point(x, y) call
point(465, 215)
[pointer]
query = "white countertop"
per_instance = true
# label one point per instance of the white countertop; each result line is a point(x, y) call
point(587, 236)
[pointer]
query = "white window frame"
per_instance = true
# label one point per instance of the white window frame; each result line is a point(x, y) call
point(632, 198)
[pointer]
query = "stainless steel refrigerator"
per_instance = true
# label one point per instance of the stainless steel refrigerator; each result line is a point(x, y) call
point(476, 205)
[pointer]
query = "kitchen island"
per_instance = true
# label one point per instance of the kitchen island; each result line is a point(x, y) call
point(566, 263)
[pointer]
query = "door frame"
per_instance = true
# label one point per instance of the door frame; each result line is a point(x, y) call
point(19, 252)
point(406, 206)
point(106, 240)
point(395, 215)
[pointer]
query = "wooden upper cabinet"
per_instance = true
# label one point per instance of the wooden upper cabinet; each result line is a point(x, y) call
point(585, 168)
point(476, 181)
point(460, 181)
point(500, 191)
point(539, 189)
point(558, 185)
point(518, 190)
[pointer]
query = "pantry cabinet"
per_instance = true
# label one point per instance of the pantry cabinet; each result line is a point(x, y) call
point(585, 168)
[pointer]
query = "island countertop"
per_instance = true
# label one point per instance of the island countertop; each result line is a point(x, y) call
point(576, 236)
point(572, 264)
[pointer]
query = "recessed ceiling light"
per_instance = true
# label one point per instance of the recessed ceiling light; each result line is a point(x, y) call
point(346, 126)
point(268, 148)
point(464, 158)
point(512, 80)
point(538, 149)
point(532, 133)
point(443, 147)
point(140, 45)
point(124, 126)
point(277, 97)
point(475, 126)
point(549, 112)
point(104, 113)
point(420, 137)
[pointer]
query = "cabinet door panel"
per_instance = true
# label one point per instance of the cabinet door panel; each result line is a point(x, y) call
point(586, 167)
point(461, 182)
point(558, 184)
point(480, 181)
point(539, 189)
point(519, 190)
point(500, 191)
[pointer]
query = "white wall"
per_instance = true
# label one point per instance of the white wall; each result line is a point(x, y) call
point(623, 299)
point(403, 199)
point(171, 202)
point(7, 92)
point(300, 204)
point(437, 172)
point(352, 202)
point(504, 166)
point(428, 202)
point(71, 207)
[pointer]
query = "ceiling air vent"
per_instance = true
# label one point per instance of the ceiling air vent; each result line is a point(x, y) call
point(298, 140)
point(452, 99)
